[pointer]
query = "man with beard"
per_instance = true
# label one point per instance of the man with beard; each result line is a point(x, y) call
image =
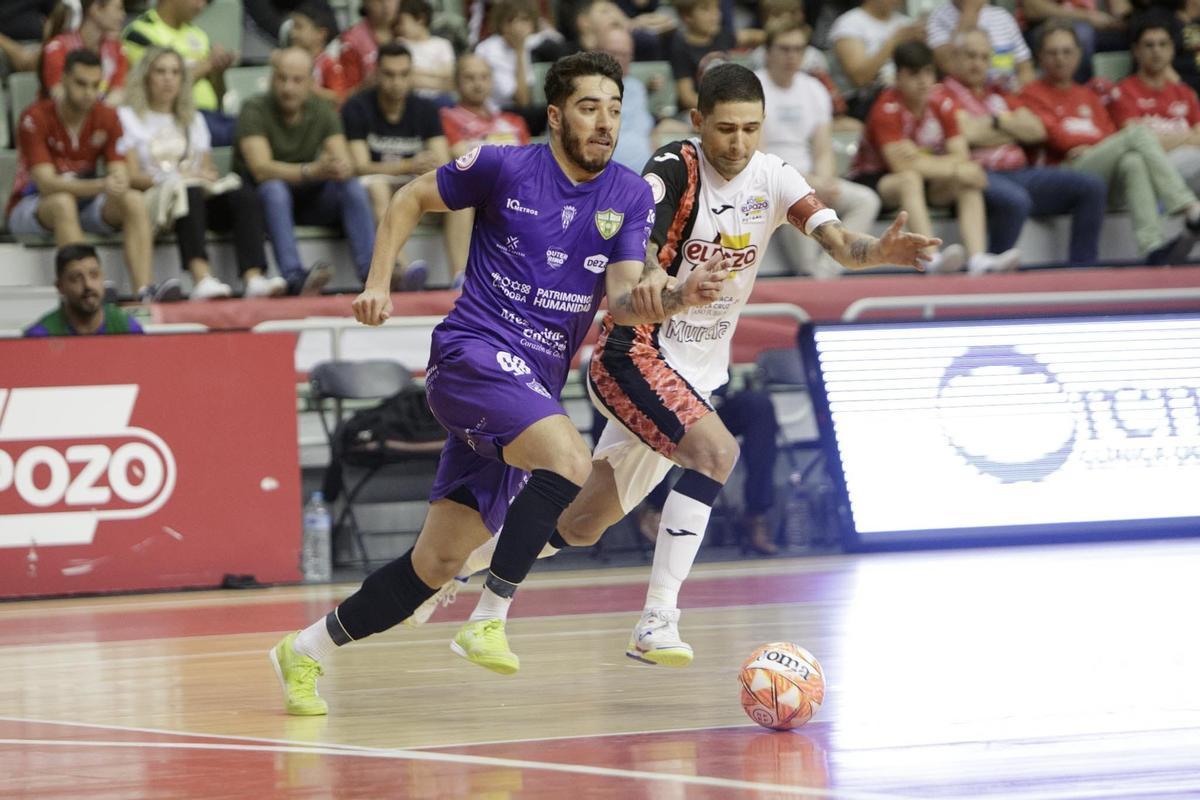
point(82, 312)
point(556, 227)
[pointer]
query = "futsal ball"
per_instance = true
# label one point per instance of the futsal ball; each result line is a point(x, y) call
point(782, 685)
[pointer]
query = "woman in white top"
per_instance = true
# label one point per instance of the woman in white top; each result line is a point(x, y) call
point(432, 56)
point(863, 40)
point(169, 155)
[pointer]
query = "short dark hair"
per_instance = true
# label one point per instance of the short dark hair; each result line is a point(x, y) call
point(777, 28)
point(1153, 20)
point(321, 14)
point(728, 83)
point(560, 80)
point(912, 56)
point(391, 50)
point(1055, 26)
point(420, 10)
point(88, 58)
point(70, 253)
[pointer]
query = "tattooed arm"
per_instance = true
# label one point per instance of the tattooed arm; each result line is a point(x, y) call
point(860, 250)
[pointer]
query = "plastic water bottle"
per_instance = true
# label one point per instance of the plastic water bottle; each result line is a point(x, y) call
point(797, 515)
point(316, 555)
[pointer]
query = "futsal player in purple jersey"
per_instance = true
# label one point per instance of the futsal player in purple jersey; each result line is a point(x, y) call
point(556, 227)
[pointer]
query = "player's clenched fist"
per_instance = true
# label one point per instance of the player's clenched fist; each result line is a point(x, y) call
point(704, 283)
point(373, 307)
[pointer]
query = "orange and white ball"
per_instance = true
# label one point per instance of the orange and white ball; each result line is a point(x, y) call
point(782, 685)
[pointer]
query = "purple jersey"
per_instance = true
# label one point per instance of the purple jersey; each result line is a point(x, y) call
point(539, 249)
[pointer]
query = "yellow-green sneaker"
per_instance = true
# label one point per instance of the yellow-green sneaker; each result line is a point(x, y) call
point(483, 642)
point(298, 675)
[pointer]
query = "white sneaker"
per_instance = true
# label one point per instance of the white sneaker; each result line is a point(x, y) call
point(209, 288)
point(262, 286)
point(656, 640)
point(948, 259)
point(983, 263)
point(444, 596)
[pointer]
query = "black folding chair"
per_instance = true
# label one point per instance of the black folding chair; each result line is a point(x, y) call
point(782, 370)
point(338, 381)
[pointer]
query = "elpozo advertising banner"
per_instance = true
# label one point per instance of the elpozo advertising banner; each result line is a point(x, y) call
point(147, 462)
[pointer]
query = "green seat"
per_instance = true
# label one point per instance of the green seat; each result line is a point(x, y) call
point(1112, 66)
point(223, 159)
point(845, 145)
point(22, 92)
point(8, 174)
point(242, 83)
point(662, 101)
point(4, 121)
point(538, 95)
point(222, 21)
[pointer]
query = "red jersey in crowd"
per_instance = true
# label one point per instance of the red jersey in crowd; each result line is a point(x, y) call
point(43, 139)
point(891, 121)
point(360, 51)
point(113, 63)
point(1073, 117)
point(1171, 109)
point(333, 70)
point(461, 124)
point(993, 101)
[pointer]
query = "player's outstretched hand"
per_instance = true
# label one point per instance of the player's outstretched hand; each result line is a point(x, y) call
point(373, 307)
point(905, 248)
point(646, 297)
point(705, 282)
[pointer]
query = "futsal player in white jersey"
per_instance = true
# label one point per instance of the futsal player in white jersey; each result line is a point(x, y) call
point(653, 382)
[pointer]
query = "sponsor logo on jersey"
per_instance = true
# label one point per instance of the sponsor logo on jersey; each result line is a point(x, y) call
point(465, 161)
point(596, 263)
point(608, 222)
point(754, 209)
point(555, 258)
point(658, 189)
point(735, 247)
point(722, 209)
point(513, 204)
point(512, 364)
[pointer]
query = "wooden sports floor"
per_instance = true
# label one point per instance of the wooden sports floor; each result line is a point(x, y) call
point(1055, 673)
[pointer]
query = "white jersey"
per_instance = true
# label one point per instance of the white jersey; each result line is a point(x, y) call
point(699, 213)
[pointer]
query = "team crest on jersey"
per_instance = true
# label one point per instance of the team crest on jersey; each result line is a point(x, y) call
point(608, 222)
point(754, 209)
point(568, 214)
point(465, 161)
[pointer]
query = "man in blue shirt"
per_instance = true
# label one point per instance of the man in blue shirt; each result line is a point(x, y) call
point(82, 312)
point(556, 228)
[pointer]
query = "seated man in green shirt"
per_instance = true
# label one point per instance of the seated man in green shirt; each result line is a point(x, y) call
point(82, 312)
point(170, 24)
point(290, 144)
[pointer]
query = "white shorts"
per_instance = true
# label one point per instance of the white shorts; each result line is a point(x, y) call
point(637, 469)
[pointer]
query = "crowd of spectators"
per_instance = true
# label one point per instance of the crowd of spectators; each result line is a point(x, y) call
point(993, 115)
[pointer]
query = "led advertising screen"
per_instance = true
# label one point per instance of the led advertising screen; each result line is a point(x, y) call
point(986, 431)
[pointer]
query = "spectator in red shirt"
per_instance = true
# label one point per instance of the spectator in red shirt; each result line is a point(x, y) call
point(1081, 135)
point(1152, 98)
point(314, 30)
point(60, 143)
point(99, 31)
point(997, 127)
point(361, 41)
point(913, 154)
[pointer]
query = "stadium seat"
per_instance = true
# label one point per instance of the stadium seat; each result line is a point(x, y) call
point(8, 173)
point(663, 101)
point(222, 21)
point(540, 68)
point(338, 381)
point(1112, 66)
point(242, 83)
point(845, 145)
point(223, 159)
point(22, 92)
point(5, 122)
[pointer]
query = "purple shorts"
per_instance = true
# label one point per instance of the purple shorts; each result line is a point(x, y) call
point(485, 398)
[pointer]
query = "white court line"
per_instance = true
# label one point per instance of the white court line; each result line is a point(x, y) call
point(481, 761)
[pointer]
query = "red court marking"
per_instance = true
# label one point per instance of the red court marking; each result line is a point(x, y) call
point(66, 625)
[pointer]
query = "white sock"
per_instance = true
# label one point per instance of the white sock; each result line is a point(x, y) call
point(480, 558)
point(315, 642)
point(491, 606)
point(675, 552)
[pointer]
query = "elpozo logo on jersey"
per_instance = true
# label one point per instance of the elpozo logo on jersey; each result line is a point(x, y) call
point(735, 247)
point(69, 459)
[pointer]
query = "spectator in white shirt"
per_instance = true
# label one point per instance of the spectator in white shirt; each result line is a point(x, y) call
point(797, 128)
point(1012, 63)
point(509, 53)
point(863, 40)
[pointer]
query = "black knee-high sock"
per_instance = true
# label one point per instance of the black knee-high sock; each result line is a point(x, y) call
point(387, 597)
point(527, 527)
